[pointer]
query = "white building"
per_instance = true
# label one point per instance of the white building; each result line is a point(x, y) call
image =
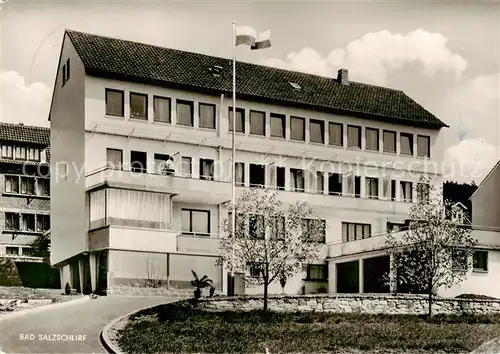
point(120, 109)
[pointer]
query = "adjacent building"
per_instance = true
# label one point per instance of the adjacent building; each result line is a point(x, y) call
point(121, 110)
point(25, 186)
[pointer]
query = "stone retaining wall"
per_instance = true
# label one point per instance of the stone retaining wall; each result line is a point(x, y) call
point(372, 304)
point(124, 290)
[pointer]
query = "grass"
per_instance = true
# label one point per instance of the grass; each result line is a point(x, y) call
point(168, 328)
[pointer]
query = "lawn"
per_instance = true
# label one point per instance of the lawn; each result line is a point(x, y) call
point(169, 328)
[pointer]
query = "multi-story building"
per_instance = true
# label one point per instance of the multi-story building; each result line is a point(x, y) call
point(121, 109)
point(483, 277)
point(25, 185)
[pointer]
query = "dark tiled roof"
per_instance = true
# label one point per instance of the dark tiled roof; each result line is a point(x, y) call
point(137, 62)
point(24, 134)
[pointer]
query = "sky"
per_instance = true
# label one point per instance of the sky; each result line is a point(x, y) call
point(443, 54)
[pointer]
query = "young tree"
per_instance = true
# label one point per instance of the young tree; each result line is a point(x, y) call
point(40, 246)
point(271, 240)
point(434, 252)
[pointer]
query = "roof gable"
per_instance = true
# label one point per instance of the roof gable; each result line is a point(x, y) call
point(138, 62)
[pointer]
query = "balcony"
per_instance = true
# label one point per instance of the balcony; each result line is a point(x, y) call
point(183, 189)
point(198, 244)
point(488, 238)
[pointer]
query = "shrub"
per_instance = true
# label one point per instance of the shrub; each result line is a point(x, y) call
point(475, 297)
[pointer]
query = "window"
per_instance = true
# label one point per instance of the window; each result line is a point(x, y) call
point(335, 184)
point(43, 186)
point(389, 141)
point(372, 139)
point(256, 226)
point(459, 259)
point(371, 187)
point(355, 231)
point(257, 175)
point(20, 153)
point(317, 272)
point(480, 261)
point(297, 128)
point(278, 125)
point(406, 191)
point(27, 185)
point(138, 161)
point(423, 146)
point(255, 269)
point(42, 223)
point(406, 142)
point(317, 131)
point(357, 186)
point(240, 120)
point(160, 162)
point(186, 167)
point(114, 159)
point(161, 109)
point(280, 178)
point(389, 189)
point(396, 227)
point(65, 72)
point(257, 123)
point(138, 106)
point(11, 184)
point(12, 251)
point(196, 222)
point(28, 222)
point(207, 115)
point(277, 227)
point(114, 103)
point(12, 221)
point(423, 192)
point(240, 174)
point(297, 180)
point(353, 136)
point(27, 251)
point(336, 134)
point(33, 154)
point(207, 169)
point(320, 182)
point(184, 113)
point(314, 230)
point(7, 151)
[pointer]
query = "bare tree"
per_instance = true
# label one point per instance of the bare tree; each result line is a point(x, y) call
point(434, 252)
point(271, 240)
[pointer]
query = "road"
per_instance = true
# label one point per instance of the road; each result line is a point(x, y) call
point(72, 327)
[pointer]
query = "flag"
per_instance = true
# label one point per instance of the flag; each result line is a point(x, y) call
point(249, 36)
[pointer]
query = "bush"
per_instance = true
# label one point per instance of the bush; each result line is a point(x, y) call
point(9, 274)
point(67, 289)
point(475, 297)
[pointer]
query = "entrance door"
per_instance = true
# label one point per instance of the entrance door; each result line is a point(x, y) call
point(102, 273)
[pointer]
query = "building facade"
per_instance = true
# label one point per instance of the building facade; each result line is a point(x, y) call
point(122, 111)
point(25, 185)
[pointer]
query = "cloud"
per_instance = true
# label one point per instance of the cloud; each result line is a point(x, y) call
point(422, 65)
point(21, 102)
point(470, 160)
point(371, 58)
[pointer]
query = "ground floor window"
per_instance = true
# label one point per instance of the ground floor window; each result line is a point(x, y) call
point(480, 261)
point(317, 272)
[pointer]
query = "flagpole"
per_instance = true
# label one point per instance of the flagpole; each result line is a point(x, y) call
point(233, 164)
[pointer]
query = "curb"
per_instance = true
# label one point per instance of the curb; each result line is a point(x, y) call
point(43, 308)
point(107, 343)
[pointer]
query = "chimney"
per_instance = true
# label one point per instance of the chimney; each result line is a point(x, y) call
point(343, 77)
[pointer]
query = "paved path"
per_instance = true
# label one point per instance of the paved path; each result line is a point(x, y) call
point(37, 332)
